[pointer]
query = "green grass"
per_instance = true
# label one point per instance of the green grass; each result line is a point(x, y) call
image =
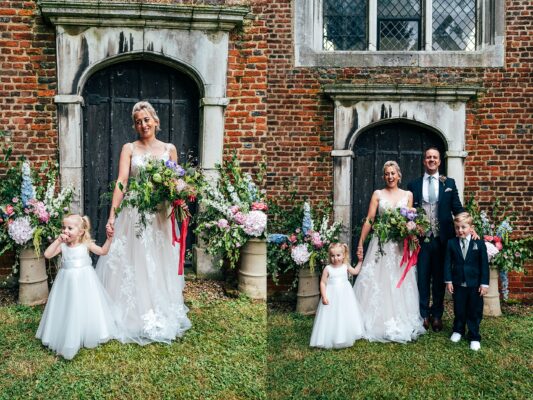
point(222, 357)
point(430, 368)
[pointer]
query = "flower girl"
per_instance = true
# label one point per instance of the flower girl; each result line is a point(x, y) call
point(338, 320)
point(78, 312)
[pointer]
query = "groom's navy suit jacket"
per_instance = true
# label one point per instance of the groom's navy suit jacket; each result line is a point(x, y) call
point(472, 270)
point(448, 206)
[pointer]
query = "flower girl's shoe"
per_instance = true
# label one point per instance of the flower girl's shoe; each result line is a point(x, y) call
point(475, 345)
point(455, 337)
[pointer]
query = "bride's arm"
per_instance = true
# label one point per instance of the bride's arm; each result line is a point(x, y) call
point(372, 208)
point(409, 199)
point(123, 175)
point(173, 152)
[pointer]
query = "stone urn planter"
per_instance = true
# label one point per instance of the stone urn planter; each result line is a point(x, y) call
point(33, 281)
point(491, 301)
point(308, 294)
point(253, 269)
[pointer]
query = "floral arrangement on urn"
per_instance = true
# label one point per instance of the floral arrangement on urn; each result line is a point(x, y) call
point(232, 211)
point(505, 252)
point(303, 245)
point(31, 209)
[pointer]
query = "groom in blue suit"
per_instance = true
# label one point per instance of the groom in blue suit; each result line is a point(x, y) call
point(438, 196)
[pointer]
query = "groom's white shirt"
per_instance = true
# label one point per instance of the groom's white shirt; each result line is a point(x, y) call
point(425, 185)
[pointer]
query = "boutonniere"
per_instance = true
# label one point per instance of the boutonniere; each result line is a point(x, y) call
point(442, 178)
point(475, 246)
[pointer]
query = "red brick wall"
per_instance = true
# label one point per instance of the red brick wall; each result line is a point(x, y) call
point(278, 110)
point(27, 81)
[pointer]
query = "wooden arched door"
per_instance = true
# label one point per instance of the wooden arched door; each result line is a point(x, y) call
point(109, 96)
point(399, 141)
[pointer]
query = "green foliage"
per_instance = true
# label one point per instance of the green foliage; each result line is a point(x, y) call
point(295, 227)
point(496, 228)
point(225, 209)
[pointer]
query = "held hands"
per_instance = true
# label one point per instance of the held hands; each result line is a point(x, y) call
point(325, 301)
point(483, 290)
point(110, 227)
point(358, 267)
point(360, 252)
point(449, 286)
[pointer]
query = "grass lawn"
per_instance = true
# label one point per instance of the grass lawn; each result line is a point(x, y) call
point(430, 368)
point(222, 357)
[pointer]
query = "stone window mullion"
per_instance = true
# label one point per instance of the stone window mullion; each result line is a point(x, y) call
point(372, 25)
point(428, 24)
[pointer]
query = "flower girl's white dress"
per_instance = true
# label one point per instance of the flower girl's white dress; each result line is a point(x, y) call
point(78, 312)
point(339, 323)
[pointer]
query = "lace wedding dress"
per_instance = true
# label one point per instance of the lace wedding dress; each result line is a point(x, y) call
point(389, 314)
point(141, 275)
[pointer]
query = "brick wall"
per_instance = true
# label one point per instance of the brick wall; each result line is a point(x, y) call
point(27, 81)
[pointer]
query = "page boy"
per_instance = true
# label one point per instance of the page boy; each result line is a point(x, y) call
point(466, 274)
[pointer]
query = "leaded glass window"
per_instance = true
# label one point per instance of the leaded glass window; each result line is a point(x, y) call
point(344, 25)
point(454, 25)
point(399, 25)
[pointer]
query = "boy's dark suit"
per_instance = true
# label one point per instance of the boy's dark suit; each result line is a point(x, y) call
point(467, 275)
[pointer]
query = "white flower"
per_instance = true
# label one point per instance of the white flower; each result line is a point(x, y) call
point(491, 250)
point(255, 223)
point(300, 254)
point(20, 230)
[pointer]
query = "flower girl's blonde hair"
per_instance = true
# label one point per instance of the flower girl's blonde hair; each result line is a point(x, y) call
point(344, 248)
point(85, 224)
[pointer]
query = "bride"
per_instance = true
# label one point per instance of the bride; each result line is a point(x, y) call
point(141, 273)
point(389, 313)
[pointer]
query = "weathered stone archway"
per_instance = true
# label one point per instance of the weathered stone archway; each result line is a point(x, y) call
point(357, 107)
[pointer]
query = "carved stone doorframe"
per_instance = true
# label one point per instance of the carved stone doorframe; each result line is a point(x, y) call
point(359, 107)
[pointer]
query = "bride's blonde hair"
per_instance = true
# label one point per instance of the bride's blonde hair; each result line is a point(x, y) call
point(394, 165)
point(144, 105)
point(344, 247)
point(84, 223)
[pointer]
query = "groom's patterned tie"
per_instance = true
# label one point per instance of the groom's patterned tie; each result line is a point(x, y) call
point(432, 193)
point(463, 247)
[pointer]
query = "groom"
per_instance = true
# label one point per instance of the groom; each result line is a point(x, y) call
point(438, 196)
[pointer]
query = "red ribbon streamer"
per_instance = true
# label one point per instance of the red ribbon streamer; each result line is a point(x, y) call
point(410, 259)
point(183, 236)
point(183, 240)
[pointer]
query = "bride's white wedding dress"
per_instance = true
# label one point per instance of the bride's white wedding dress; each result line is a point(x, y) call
point(141, 275)
point(389, 314)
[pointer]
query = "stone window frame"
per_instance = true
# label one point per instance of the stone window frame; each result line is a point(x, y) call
point(308, 35)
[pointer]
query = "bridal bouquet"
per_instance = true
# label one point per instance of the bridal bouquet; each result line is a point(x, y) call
point(160, 184)
point(233, 211)
point(403, 225)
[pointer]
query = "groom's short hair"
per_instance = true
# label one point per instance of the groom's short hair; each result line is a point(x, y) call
point(431, 148)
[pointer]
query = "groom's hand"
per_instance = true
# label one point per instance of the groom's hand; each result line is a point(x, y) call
point(449, 286)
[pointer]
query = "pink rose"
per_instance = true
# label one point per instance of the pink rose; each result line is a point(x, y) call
point(9, 209)
point(292, 238)
point(259, 206)
point(411, 225)
point(488, 238)
point(497, 239)
point(284, 245)
point(15, 199)
point(234, 209)
point(498, 245)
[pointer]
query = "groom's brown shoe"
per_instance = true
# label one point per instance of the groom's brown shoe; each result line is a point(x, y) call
point(436, 324)
point(425, 324)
